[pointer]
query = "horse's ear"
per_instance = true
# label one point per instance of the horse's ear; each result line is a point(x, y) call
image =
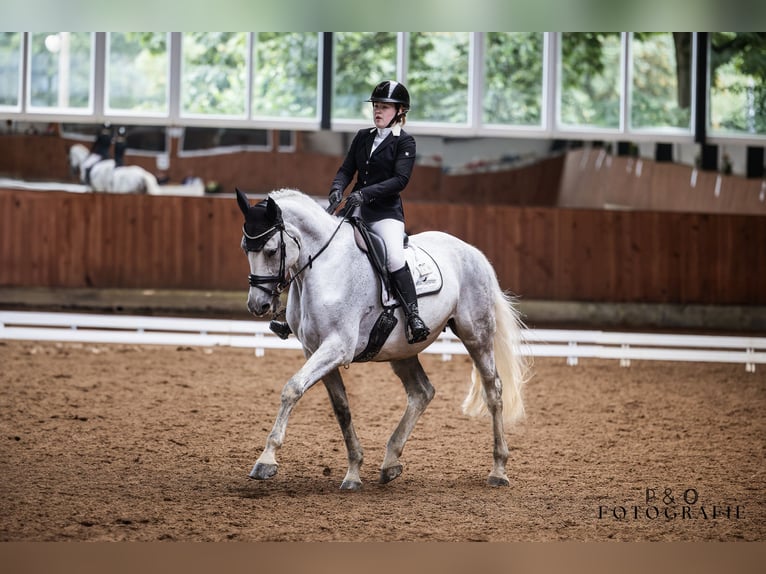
point(273, 211)
point(243, 202)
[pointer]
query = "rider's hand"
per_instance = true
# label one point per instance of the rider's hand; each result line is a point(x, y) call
point(335, 196)
point(355, 198)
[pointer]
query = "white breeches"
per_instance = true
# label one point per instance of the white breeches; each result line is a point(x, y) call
point(392, 232)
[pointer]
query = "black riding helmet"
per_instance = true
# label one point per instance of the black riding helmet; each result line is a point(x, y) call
point(392, 92)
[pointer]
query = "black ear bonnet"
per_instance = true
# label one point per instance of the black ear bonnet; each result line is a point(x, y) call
point(262, 221)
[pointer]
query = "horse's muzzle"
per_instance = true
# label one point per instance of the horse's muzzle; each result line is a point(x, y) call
point(259, 306)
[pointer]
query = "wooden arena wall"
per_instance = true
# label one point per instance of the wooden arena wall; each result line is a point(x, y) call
point(59, 239)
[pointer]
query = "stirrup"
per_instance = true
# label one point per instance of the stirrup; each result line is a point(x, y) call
point(280, 329)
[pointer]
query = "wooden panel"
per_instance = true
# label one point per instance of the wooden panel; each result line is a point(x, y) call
point(57, 239)
point(591, 179)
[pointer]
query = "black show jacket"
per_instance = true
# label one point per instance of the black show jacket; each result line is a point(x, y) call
point(380, 177)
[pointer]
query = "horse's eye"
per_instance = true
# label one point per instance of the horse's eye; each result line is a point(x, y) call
point(270, 252)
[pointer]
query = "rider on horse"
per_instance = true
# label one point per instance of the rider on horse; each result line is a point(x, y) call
point(104, 141)
point(382, 159)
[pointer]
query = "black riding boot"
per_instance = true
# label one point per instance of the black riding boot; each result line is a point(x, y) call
point(405, 290)
point(280, 328)
point(120, 144)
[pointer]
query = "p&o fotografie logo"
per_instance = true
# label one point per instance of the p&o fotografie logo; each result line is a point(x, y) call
point(665, 504)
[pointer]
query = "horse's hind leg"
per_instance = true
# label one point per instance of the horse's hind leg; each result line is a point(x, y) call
point(419, 394)
point(480, 347)
point(333, 382)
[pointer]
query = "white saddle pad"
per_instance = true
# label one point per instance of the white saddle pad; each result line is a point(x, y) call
point(425, 274)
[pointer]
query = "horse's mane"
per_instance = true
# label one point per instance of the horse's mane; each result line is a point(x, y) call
point(302, 198)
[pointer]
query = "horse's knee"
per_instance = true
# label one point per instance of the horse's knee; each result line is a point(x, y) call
point(291, 393)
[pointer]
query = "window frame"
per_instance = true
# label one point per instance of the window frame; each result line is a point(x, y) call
point(550, 126)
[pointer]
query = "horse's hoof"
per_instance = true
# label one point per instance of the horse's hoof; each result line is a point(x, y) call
point(390, 473)
point(263, 471)
point(351, 485)
point(498, 481)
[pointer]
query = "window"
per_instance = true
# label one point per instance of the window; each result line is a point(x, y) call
point(590, 67)
point(362, 61)
point(137, 73)
point(200, 139)
point(513, 78)
point(140, 139)
point(738, 83)
point(214, 74)
point(285, 74)
point(437, 76)
point(639, 86)
point(286, 140)
point(60, 69)
point(10, 69)
point(661, 80)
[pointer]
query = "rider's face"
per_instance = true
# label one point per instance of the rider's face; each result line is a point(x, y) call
point(383, 113)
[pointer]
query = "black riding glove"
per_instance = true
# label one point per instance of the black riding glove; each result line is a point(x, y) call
point(335, 196)
point(355, 198)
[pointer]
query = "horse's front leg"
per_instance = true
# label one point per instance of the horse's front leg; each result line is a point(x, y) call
point(333, 382)
point(325, 359)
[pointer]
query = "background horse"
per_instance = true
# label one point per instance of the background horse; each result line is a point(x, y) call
point(335, 299)
point(103, 175)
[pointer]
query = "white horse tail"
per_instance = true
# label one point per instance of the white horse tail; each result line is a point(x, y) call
point(511, 365)
point(150, 183)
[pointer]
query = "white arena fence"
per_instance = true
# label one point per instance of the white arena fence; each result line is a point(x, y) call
point(570, 344)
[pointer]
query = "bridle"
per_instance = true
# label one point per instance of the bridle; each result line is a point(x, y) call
point(280, 282)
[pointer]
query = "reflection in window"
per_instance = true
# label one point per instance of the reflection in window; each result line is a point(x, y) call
point(214, 73)
point(662, 76)
point(10, 68)
point(738, 82)
point(590, 79)
point(513, 80)
point(285, 73)
point(198, 139)
point(137, 72)
point(362, 61)
point(437, 77)
point(60, 70)
point(138, 138)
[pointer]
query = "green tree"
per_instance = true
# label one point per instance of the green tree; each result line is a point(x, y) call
point(738, 74)
point(513, 80)
point(362, 60)
point(285, 74)
point(437, 77)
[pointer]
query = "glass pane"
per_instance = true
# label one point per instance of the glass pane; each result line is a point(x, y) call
point(362, 61)
point(60, 68)
point(137, 72)
point(513, 79)
point(209, 138)
point(738, 82)
point(662, 80)
point(437, 76)
point(10, 68)
point(214, 73)
point(590, 79)
point(285, 74)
